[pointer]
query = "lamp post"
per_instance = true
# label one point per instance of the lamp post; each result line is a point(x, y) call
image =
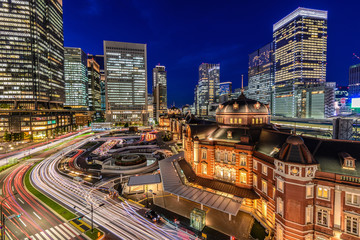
point(3, 217)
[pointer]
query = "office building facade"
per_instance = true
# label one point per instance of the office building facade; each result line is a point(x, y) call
point(100, 60)
point(32, 87)
point(225, 90)
point(354, 80)
point(261, 74)
point(300, 48)
point(76, 79)
point(159, 91)
point(126, 82)
point(94, 88)
point(208, 87)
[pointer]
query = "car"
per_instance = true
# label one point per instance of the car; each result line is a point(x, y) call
point(152, 215)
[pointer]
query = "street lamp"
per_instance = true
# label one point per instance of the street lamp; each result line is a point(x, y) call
point(3, 217)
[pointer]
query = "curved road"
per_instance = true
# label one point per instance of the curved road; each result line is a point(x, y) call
point(120, 218)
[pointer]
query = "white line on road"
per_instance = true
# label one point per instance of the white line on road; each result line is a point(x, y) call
point(38, 236)
point(37, 215)
point(12, 187)
point(21, 201)
point(22, 222)
point(45, 236)
point(7, 205)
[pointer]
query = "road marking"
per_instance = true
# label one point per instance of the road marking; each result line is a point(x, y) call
point(62, 232)
point(12, 188)
point(7, 205)
point(69, 227)
point(9, 236)
point(37, 215)
point(22, 222)
point(57, 234)
point(38, 236)
point(68, 230)
point(45, 236)
point(21, 201)
point(51, 235)
point(31, 237)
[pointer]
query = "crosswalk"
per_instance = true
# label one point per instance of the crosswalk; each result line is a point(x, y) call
point(64, 231)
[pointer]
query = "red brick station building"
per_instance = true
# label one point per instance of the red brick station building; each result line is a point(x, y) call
point(297, 187)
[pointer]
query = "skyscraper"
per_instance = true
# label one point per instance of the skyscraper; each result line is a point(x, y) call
point(76, 79)
point(261, 74)
point(300, 42)
point(100, 60)
point(159, 91)
point(354, 81)
point(31, 55)
point(126, 82)
point(94, 89)
point(225, 90)
point(207, 88)
point(32, 69)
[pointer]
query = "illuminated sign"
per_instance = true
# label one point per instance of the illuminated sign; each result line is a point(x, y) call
point(355, 103)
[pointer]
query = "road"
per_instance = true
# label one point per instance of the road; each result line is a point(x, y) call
point(119, 218)
point(4, 158)
point(36, 221)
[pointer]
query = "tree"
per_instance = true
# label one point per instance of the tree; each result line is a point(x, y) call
point(126, 125)
point(7, 136)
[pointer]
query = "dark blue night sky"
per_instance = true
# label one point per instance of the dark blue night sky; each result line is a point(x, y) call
point(183, 34)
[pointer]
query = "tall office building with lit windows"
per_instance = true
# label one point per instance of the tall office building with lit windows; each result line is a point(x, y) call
point(159, 91)
point(76, 79)
point(261, 74)
point(94, 88)
point(100, 60)
point(126, 82)
point(300, 45)
point(207, 88)
point(32, 68)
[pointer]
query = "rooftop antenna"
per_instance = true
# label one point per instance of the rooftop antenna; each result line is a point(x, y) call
point(242, 83)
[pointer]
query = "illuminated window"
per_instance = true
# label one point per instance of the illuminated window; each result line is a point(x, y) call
point(204, 168)
point(233, 175)
point(264, 169)
point(243, 177)
point(264, 186)
point(255, 165)
point(323, 192)
point(264, 208)
point(280, 185)
point(255, 181)
point(309, 214)
point(280, 206)
point(309, 191)
point(235, 120)
point(231, 120)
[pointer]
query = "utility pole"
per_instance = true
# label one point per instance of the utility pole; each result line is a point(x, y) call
point(3, 217)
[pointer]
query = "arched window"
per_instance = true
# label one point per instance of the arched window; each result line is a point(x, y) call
point(243, 159)
point(235, 120)
point(253, 121)
point(233, 159)
point(257, 121)
point(217, 172)
point(226, 157)
point(226, 174)
point(204, 168)
point(231, 120)
point(203, 153)
point(240, 120)
point(217, 156)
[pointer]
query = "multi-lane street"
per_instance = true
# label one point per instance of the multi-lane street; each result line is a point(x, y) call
point(36, 220)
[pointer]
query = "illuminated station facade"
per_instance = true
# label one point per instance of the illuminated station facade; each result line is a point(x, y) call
point(297, 187)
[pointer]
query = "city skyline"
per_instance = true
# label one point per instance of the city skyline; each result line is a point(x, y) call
point(182, 54)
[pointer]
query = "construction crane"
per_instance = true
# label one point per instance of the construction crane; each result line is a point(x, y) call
point(356, 56)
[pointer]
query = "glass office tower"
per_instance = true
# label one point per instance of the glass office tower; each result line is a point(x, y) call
point(159, 91)
point(300, 43)
point(100, 60)
point(31, 55)
point(354, 81)
point(208, 87)
point(76, 79)
point(225, 90)
point(261, 74)
point(94, 89)
point(126, 82)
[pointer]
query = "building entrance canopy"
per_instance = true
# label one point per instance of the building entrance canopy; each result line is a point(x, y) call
point(173, 184)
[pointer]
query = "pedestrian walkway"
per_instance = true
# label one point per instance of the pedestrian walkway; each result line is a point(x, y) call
point(62, 231)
